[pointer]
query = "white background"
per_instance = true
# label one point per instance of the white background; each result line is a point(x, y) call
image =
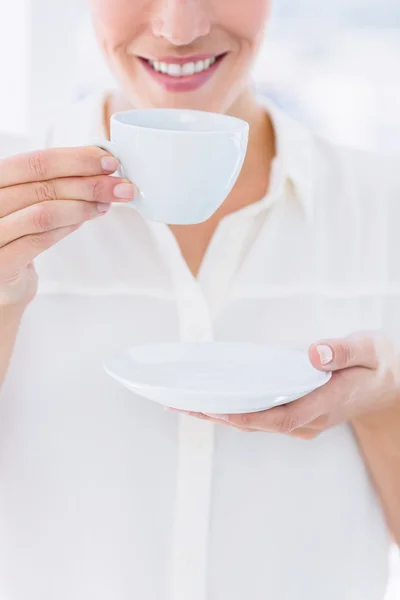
point(333, 64)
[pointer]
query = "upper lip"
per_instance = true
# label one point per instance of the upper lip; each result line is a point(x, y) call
point(181, 60)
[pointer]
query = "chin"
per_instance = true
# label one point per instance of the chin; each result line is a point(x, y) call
point(209, 90)
point(188, 102)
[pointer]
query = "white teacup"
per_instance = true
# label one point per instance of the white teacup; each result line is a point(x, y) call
point(183, 162)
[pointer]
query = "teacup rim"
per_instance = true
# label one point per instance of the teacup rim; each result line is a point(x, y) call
point(241, 125)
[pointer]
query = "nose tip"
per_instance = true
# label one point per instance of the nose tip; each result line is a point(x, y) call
point(181, 24)
point(182, 38)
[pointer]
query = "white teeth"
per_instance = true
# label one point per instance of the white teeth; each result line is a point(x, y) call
point(199, 67)
point(174, 70)
point(187, 69)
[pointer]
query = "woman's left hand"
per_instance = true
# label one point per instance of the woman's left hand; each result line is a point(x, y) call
point(366, 379)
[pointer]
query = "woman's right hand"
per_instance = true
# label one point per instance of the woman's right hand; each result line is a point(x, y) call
point(45, 196)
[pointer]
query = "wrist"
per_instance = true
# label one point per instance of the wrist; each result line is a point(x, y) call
point(11, 316)
point(13, 303)
point(380, 420)
point(12, 311)
point(17, 294)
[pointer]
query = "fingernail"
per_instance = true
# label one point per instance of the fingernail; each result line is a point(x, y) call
point(325, 354)
point(103, 208)
point(124, 191)
point(109, 164)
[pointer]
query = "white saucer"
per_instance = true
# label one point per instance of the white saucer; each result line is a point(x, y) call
point(216, 377)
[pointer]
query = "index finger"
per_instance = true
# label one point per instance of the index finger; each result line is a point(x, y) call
point(53, 163)
point(296, 414)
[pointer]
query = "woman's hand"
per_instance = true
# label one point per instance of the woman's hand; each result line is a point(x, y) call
point(366, 380)
point(45, 196)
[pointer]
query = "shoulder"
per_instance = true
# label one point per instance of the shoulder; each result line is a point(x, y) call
point(356, 207)
point(353, 179)
point(356, 213)
point(79, 123)
point(352, 202)
point(355, 191)
point(334, 179)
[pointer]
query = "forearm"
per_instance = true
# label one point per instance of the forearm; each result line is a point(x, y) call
point(379, 438)
point(10, 318)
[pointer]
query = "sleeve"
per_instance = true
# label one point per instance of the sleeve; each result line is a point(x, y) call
point(390, 202)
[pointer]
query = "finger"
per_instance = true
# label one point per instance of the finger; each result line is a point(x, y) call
point(19, 254)
point(289, 417)
point(46, 216)
point(216, 419)
point(283, 419)
point(342, 391)
point(211, 419)
point(102, 188)
point(356, 350)
point(305, 434)
point(53, 163)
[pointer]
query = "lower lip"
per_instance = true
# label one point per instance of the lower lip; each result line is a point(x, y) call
point(188, 83)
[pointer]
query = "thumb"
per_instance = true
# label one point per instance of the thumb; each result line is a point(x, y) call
point(357, 350)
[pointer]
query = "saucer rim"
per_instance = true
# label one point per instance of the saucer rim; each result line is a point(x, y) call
point(122, 354)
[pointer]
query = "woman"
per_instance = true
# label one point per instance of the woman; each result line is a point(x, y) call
point(104, 495)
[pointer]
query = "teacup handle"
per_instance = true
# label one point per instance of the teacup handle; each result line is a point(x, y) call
point(111, 148)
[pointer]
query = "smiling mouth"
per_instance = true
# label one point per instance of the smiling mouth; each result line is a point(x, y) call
point(182, 68)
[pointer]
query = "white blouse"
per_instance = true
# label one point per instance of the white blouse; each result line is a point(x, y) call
point(103, 494)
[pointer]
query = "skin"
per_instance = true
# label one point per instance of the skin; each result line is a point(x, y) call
point(365, 390)
point(366, 379)
point(181, 28)
point(47, 195)
point(128, 29)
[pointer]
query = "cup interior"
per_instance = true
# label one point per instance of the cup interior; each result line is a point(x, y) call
point(179, 120)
